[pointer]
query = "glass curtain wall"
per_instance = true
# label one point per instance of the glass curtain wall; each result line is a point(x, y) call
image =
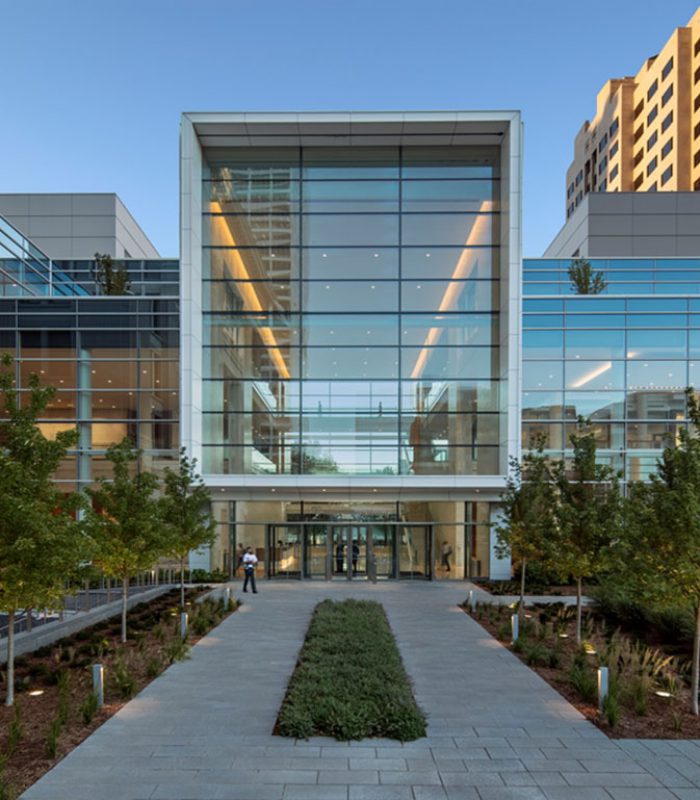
point(351, 311)
point(623, 362)
point(114, 364)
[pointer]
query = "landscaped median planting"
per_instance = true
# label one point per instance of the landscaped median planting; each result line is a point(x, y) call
point(350, 682)
point(648, 680)
point(55, 707)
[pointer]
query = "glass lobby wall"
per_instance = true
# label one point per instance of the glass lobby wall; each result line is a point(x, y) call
point(351, 311)
point(442, 540)
point(623, 362)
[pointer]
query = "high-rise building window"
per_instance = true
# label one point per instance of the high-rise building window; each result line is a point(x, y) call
point(696, 159)
point(614, 148)
point(667, 95)
point(697, 47)
point(668, 120)
point(666, 149)
point(638, 157)
point(651, 141)
point(696, 104)
point(603, 164)
point(603, 186)
point(602, 143)
point(614, 126)
point(651, 166)
point(667, 69)
point(651, 91)
point(652, 188)
point(613, 172)
point(638, 182)
point(652, 115)
point(696, 77)
point(666, 175)
point(638, 110)
point(696, 131)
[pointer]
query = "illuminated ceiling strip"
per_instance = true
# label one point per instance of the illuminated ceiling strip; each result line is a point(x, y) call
point(251, 301)
point(589, 376)
point(462, 270)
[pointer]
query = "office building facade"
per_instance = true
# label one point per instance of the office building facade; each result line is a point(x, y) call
point(622, 358)
point(645, 135)
point(350, 335)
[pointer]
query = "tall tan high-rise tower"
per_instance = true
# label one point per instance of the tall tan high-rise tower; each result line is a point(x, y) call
point(645, 135)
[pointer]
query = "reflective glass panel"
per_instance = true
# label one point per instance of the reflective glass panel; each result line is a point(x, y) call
point(595, 374)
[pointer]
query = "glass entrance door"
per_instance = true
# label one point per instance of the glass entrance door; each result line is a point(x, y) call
point(285, 548)
point(414, 551)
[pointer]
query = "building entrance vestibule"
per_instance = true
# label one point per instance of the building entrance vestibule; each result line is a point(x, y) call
point(353, 550)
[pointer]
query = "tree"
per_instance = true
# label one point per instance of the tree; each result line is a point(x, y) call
point(588, 512)
point(527, 512)
point(659, 557)
point(126, 521)
point(41, 544)
point(111, 279)
point(188, 520)
point(584, 280)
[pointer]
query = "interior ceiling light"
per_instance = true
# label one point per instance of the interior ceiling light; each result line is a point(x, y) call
point(589, 376)
point(462, 271)
point(251, 301)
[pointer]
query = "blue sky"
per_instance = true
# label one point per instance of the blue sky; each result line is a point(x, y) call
point(93, 90)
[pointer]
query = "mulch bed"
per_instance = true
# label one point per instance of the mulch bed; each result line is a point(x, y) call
point(154, 643)
point(665, 717)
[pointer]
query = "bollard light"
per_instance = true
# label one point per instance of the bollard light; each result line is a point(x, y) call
point(470, 599)
point(514, 627)
point(183, 624)
point(98, 684)
point(602, 686)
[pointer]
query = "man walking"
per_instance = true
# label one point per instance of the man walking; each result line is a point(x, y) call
point(250, 562)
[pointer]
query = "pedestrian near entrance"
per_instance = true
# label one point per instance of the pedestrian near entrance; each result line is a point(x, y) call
point(250, 562)
point(446, 552)
point(240, 552)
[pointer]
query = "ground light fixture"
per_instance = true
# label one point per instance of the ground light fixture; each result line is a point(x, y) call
point(661, 693)
point(36, 692)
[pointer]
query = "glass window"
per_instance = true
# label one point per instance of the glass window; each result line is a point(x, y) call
point(543, 405)
point(449, 262)
point(543, 344)
point(241, 230)
point(350, 362)
point(339, 296)
point(351, 329)
point(595, 374)
point(655, 405)
point(337, 163)
point(450, 162)
point(377, 397)
point(254, 263)
point(449, 329)
point(595, 405)
point(543, 321)
point(656, 344)
point(350, 196)
point(595, 321)
point(452, 195)
point(449, 229)
point(242, 194)
point(552, 435)
point(333, 263)
point(61, 374)
point(651, 435)
point(436, 363)
point(604, 344)
point(457, 397)
point(668, 375)
point(350, 229)
point(542, 375)
point(427, 295)
point(608, 436)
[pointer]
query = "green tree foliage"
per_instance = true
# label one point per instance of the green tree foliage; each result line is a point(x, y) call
point(41, 544)
point(186, 514)
point(111, 278)
point(126, 522)
point(588, 512)
point(528, 521)
point(584, 280)
point(659, 557)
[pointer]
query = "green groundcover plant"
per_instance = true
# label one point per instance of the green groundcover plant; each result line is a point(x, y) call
point(350, 682)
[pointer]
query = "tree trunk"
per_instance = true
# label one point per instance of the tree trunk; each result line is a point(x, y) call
point(521, 607)
point(125, 597)
point(578, 610)
point(10, 691)
point(28, 612)
point(182, 584)
point(696, 660)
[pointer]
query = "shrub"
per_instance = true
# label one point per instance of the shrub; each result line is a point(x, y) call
point(350, 682)
point(89, 708)
point(611, 709)
point(124, 680)
point(177, 650)
point(584, 682)
point(153, 668)
point(537, 655)
point(51, 744)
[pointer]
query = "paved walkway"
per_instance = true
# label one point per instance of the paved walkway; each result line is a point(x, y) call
point(496, 731)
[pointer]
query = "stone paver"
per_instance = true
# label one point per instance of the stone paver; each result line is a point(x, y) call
point(496, 731)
